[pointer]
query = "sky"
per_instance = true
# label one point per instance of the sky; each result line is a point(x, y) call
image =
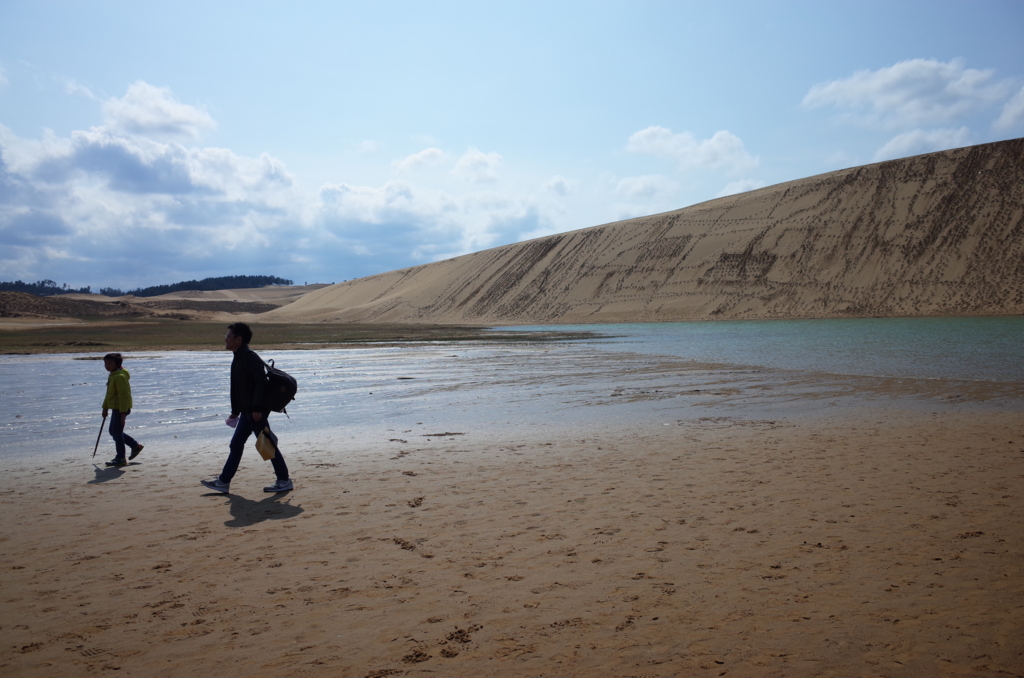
point(146, 143)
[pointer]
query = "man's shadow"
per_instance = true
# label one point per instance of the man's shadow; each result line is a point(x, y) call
point(246, 512)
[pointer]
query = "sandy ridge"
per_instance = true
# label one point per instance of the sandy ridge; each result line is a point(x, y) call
point(935, 234)
point(18, 309)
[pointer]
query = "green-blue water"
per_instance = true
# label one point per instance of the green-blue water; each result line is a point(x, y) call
point(971, 349)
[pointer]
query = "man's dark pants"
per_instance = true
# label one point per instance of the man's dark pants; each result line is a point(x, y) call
point(121, 438)
point(245, 428)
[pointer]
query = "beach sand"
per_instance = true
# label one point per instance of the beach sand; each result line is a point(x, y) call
point(876, 541)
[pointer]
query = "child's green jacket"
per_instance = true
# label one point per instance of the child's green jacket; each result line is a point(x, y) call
point(119, 393)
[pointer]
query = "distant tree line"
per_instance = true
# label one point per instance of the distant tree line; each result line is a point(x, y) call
point(227, 282)
point(42, 288)
point(45, 288)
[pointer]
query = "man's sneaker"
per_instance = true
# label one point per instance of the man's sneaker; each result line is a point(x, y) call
point(280, 486)
point(217, 485)
point(116, 462)
point(136, 451)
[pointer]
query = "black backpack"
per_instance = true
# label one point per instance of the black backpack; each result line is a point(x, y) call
point(281, 388)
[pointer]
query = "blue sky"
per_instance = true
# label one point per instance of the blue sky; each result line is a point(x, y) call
point(144, 143)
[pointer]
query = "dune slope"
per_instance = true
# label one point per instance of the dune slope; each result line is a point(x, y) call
point(935, 234)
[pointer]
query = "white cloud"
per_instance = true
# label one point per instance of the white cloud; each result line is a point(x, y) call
point(417, 161)
point(647, 186)
point(74, 87)
point(149, 110)
point(622, 211)
point(138, 165)
point(393, 201)
point(723, 151)
point(1013, 113)
point(477, 167)
point(105, 207)
point(368, 146)
point(839, 159)
point(558, 185)
point(919, 141)
point(22, 155)
point(741, 186)
point(422, 224)
point(918, 92)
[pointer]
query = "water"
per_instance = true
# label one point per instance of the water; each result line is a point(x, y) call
point(665, 370)
point(53, 402)
point(972, 349)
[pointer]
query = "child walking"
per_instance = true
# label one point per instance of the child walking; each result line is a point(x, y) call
point(119, 399)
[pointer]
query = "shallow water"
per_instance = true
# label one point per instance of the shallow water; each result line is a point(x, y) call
point(54, 402)
point(657, 371)
point(973, 349)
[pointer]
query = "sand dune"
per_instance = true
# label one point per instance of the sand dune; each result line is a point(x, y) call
point(277, 295)
point(19, 310)
point(271, 294)
point(935, 234)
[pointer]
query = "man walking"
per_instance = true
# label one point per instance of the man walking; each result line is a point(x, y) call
point(119, 399)
point(248, 414)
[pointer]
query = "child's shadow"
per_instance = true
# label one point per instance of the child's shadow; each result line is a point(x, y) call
point(107, 473)
point(246, 512)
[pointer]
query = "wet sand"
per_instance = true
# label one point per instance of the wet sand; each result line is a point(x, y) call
point(874, 540)
point(42, 336)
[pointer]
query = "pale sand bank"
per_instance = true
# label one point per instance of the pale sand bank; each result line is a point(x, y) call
point(272, 294)
point(930, 235)
point(869, 542)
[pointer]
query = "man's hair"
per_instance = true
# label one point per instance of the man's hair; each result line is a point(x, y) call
point(116, 357)
point(241, 330)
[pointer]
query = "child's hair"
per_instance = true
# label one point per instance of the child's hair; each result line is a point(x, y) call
point(116, 357)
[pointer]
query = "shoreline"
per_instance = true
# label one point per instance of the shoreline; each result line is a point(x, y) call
point(148, 334)
point(19, 337)
point(874, 541)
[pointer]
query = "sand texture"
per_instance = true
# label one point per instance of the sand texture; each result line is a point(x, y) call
point(881, 544)
point(277, 295)
point(18, 309)
point(936, 234)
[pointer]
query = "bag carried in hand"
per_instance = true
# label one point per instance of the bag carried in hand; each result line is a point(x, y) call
point(281, 388)
point(266, 444)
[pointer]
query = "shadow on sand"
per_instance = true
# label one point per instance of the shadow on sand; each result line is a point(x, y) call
point(246, 512)
point(107, 473)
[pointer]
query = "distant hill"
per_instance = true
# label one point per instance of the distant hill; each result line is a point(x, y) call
point(935, 234)
point(22, 305)
point(206, 284)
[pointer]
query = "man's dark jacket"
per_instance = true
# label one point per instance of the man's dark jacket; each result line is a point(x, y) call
point(248, 382)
